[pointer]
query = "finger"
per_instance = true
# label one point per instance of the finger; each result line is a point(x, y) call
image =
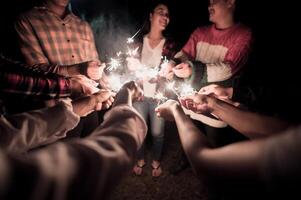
point(98, 106)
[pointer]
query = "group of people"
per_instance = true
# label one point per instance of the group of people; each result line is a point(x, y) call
point(63, 71)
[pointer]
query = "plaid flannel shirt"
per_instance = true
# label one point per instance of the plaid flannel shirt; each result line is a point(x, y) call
point(17, 78)
point(46, 38)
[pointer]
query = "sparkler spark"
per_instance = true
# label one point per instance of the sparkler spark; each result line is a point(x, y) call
point(132, 52)
point(186, 90)
point(115, 82)
point(114, 64)
point(131, 39)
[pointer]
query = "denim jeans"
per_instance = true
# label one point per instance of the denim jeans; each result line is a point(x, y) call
point(147, 109)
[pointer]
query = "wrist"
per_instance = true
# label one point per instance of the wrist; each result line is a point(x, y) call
point(75, 88)
point(124, 96)
point(229, 92)
point(211, 103)
point(74, 69)
point(176, 108)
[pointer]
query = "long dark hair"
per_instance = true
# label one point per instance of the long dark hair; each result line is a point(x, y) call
point(145, 28)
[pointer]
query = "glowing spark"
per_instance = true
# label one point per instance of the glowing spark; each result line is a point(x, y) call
point(171, 86)
point(131, 39)
point(132, 52)
point(115, 82)
point(146, 72)
point(118, 53)
point(160, 97)
point(187, 90)
point(151, 72)
point(114, 64)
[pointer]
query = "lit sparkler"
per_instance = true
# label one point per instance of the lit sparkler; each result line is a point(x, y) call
point(131, 39)
point(114, 64)
point(171, 86)
point(115, 82)
point(132, 52)
point(160, 97)
point(187, 90)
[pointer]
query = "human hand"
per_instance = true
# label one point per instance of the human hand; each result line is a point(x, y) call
point(103, 99)
point(133, 64)
point(166, 109)
point(198, 103)
point(80, 84)
point(182, 70)
point(95, 69)
point(166, 70)
point(135, 91)
point(219, 92)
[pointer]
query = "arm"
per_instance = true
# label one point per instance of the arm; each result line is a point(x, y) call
point(47, 86)
point(22, 132)
point(38, 86)
point(232, 57)
point(239, 160)
point(89, 167)
point(250, 124)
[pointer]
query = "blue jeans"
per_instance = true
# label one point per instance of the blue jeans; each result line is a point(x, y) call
point(147, 109)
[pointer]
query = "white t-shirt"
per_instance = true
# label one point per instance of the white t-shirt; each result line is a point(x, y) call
point(151, 57)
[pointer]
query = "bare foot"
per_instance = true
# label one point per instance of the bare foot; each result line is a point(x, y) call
point(157, 170)
point(138, 168)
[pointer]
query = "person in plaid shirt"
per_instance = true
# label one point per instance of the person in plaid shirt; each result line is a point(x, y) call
point(52, 34)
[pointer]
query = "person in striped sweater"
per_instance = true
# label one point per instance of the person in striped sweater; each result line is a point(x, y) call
point(220, 49)
point(214, 54)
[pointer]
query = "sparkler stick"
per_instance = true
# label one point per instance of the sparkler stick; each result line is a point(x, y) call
point(131, 39)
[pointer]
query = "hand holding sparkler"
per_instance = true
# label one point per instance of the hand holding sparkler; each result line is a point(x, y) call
point(103, 99)
point(135, 91)
point(217, 91)
point(166, 69)
point(167, 109)
point(128, 93)
point(80, 84)
point(200, 103)
point(94, 69)
point(182, 70)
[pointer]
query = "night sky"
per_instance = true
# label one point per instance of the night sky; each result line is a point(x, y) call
point(274, 60)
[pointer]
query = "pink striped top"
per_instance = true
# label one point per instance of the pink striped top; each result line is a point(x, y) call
point(224, 52)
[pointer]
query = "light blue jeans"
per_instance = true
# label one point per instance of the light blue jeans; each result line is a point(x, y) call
point(147, 109)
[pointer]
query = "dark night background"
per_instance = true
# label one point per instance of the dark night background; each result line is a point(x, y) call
point(272, 67)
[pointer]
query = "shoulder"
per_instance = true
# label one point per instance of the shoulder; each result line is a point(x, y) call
point(243, 30)
point(80, 21)
point(201, 30)
point(33, 13)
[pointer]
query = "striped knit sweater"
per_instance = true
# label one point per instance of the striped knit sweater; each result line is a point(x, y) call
point(221, 52)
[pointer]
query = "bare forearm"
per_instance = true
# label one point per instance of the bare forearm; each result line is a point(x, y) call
point(192, 139)
point(252, 125)
point(123, 97)
point(84, 105)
